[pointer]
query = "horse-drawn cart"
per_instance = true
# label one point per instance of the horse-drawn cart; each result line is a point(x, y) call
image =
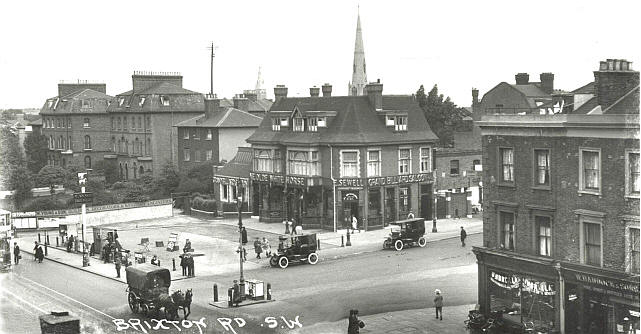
point(148, 292)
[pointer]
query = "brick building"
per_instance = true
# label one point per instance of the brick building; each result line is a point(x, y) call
point(561, 202)
point(321, 159)
point(213, 136)
point(142, 136)
point(76, 124)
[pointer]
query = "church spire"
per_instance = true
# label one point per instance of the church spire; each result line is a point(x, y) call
point(359, 73)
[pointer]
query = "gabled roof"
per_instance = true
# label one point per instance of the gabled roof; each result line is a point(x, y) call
point(239, 166)
point(355, 122)
point(228, 118)
point(585, 89)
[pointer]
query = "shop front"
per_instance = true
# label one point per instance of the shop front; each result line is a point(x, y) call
point(523, 290)
point(600, 301)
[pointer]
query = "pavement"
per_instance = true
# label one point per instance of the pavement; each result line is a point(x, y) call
point(401, 322)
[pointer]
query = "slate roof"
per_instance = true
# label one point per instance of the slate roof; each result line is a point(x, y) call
point(180, 100)
point(239, 166)
point(587, 106)
point(36, 122)
point(531, 90)
point(72, 103)
point(229, 118)
point(585, 89)
point(356, 122)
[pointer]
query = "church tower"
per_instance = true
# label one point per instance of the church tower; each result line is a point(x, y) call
point(359, 73)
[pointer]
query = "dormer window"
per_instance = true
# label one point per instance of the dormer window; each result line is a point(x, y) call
point(85, 123)
point(275, 124)
point(85, 104)
point(390, 120)
point(164, 100)
point(398, 122)
point(322, 122)
point(121, 101)
point(142, 101)
point(49, 104)
point(299, 124)
point(312, 124)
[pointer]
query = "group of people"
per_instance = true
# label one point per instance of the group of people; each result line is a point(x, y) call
point(39, 255)
point(262, 247)
point(187, 263)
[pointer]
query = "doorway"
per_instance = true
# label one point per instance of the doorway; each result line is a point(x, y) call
point(390, 205)
point(426, 201)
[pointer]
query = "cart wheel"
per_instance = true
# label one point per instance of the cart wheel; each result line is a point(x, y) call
point(422, 242)
point(133, 304)
point(385, 245)
point(144, 309)
point(398, 245)
point(312, 258)
point(273, 261)
point(283, 262)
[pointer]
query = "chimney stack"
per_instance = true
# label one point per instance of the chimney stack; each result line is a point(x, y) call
point(314, 91)
point(374, 92)
point(241, 102)
point(212, 105)
point(327, 90)
point(547, 82)
point(614, 79)
point(522, 78)
point(475, 96)
point(280, 91)
point(251, 95)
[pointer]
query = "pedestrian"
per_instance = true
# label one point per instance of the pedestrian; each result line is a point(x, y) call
point(354, 324)
point(39, 254)
point(190, 265)
point(35, 251)
point(292, 225)
point(154, 261)
point(188, 245)
point(438, 304)
point(244, 254)
point(183, 263)
point(266, 248)
point(410, 215)
point(117, 262)
point(16, 253)
point(463, 236)
point(236, 289)
point(243, 235)
point(258, 247)
point(354, 224)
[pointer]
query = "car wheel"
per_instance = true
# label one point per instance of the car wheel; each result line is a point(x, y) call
point(133, 303)
point(312, 258)
point(273, 261)
point(398, 245)
point(422, 242)
point(283, 262)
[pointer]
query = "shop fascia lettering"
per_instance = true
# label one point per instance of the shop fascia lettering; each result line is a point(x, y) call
point(226, 180)
point(526, 284)
point(278, 179)
point(621, 286)
point(384, 181)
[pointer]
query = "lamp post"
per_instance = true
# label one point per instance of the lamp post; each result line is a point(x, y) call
point(239, 203)
point(82, 180)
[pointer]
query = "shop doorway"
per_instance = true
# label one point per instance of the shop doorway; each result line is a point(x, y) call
point(390, 205)
point(426, 201)
point(350, 207)
point(441, 207)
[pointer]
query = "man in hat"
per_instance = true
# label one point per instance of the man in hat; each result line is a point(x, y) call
point(236, 290)
point(438, 304)
point(463, 236)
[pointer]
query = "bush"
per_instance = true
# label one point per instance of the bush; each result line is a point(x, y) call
point(119, 185)
point(204, 204)
point(45, 203)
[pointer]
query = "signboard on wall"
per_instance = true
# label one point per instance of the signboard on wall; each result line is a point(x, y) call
point(350, 196)
point(384, 180)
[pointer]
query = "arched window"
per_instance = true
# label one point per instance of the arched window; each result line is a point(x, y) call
point(59, 142)
point(69, 144)
point(127, 146)
point(135, 171)
point(126, 172)
point(113, 144)
point(122, 145)
point(87, 142)
point(50, 141)
point(141, 171)
point(121, 172)
point(148, 148)
point(136, 147)
point(88, 162)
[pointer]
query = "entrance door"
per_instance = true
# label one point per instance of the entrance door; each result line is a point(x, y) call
point(441, 207)
point(426, 201)
point(350, 208)
point(390, 205)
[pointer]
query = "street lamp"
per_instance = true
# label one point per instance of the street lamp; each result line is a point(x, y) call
point(239, 203)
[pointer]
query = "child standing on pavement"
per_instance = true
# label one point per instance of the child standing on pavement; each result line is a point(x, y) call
point(438, 304)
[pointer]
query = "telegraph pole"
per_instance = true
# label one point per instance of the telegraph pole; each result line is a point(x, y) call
point(211, 69)
point(82, 180)
point(239, 202)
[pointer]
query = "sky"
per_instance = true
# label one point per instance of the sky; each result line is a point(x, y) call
point(455, 44)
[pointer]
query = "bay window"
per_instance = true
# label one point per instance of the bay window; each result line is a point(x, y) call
point(304, 163)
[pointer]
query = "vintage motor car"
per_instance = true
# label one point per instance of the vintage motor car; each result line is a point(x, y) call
point(303, 248)
point(407, 232)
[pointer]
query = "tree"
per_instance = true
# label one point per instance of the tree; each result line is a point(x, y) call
point(71, 177)
point(441, 113)
point(10, 157)
point(36, 147)
point(108, 168)
point(22, 183)
point(49, 176)
point(169, 179)
point(203, 173)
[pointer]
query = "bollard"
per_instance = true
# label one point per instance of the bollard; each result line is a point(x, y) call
point(348, 243)
point(47, 242)
point(57, 244)
point(230, 297)
point(46, 250)
point(173, 262)
point(269, 291)
point(342, 241)
point(215, 292)
point(318, 244)
point(39, 237)
point(434, 225)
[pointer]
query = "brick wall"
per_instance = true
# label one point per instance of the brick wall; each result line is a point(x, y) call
point(563, 196)
point(202, 145)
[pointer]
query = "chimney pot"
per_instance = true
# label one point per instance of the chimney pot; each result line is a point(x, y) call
point(327, 90)
point(314, 91)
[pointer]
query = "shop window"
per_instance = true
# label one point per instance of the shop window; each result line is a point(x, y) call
point(590, 171)
point(374, 206)
point(506, 164)
point(349, 164)
point(632, 180)
point(591, 243)
point(542, 171)
point(403, 201)
point(224, 193)
point(404, 161)
point(425, 160)
point(373, 163)
point(543, 235)
point(186, 154)
point(454, 167)
point(633, 251)
point(507, 230)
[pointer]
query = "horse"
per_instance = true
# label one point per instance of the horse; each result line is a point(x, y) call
point(183, 301)
point(167, 304)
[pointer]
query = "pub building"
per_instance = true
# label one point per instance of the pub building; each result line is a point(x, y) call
point(561, 203)
point(319, 160)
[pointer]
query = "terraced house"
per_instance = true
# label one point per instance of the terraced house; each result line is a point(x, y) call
point(561, 202)
point(320, 159)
